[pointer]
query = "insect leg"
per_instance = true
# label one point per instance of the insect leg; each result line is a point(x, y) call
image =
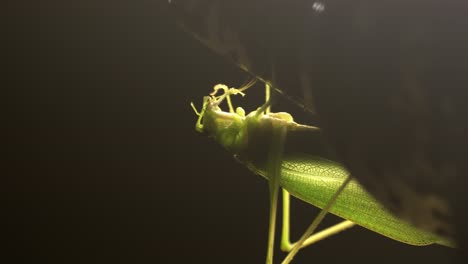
point(274, 170)
point(286, 244)
point(310, 230)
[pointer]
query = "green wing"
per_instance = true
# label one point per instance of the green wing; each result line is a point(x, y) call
point(314, 180)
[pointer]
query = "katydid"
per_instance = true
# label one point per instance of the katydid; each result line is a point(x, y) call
point(320, 182)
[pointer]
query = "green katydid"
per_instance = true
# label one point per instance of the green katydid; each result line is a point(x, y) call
point(320, 182)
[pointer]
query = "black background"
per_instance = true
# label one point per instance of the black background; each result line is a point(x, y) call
point(104, 164)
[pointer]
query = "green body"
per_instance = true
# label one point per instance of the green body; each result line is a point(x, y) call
point(311, 179)
point(314, 180)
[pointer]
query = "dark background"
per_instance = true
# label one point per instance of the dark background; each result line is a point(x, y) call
point(103, 162)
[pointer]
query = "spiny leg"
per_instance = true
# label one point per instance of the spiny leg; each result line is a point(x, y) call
point(286, 244)
point(333, 230)
point(274, 170)
point(310, 230)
